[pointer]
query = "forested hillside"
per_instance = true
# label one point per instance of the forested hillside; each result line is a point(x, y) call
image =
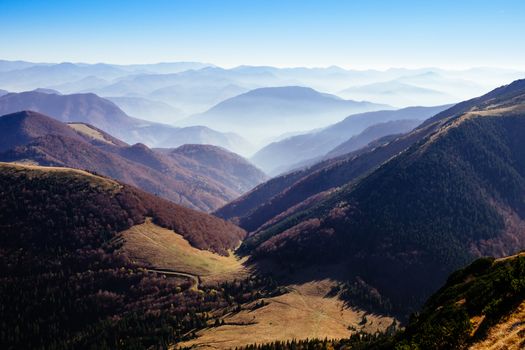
point(277, 196)
point(473, 303)
point(66, 284)
point(456, 194)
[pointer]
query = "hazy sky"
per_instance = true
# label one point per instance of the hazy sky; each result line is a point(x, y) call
point(352, 34)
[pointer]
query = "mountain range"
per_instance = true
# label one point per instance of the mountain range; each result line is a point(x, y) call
point(399, 217)
point(151, 110)
point(396, 93)
point(283, 155)
point(194, 87)
point(20, 75)
point(190, 91)
point(382, 229)
point(104, 114)
point(185, 176)
point(278, 110)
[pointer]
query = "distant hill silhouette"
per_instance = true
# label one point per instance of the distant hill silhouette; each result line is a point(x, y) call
point(104, 114)
point(272, 111)
point(283, 155)
point(33, 137)
point(402, 215)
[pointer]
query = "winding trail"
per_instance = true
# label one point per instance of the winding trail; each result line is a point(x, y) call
point(194, 278)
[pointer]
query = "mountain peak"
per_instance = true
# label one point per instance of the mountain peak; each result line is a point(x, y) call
point(30, 115)
point(140, 147)
point(47, 91)
point(21, 127)
point(278, 110)
point(405, 213)
point(194, 148)
point(24, 114)
point(285, 92)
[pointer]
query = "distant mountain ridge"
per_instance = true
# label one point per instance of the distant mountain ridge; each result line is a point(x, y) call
point(276, 110)
point(104, 114)
point(86, 108)
point(372, 133)
point(151, 110)
point(397, 93)
point(417, 206)
point(221, 165)
point(373, 136)
point(280, 156)
point(33, 137)
point(194, 87)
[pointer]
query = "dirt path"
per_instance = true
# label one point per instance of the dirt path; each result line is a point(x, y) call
point(194, 278)
point(162, 249)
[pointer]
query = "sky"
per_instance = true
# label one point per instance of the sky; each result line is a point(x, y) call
point(285, 33)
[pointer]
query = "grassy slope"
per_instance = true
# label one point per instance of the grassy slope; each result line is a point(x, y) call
point(508, 334)
point(201, 230)
point(59, 174)
point(64, 282)
point(90, 132)
point(481, 307)
point(304, 311)
point(473, 307)
point(153, 246)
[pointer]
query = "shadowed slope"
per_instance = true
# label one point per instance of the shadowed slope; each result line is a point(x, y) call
point(65, 282)
point(453, 190)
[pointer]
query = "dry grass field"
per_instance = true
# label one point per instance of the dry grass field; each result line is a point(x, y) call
point(90, 132)
point(507, 335)
point(160, 248)
point(304, 312)
point(29, 170)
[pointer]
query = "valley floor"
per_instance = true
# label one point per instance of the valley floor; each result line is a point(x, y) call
point(305, 311)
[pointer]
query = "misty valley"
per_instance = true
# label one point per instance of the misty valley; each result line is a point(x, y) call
point(342, 176)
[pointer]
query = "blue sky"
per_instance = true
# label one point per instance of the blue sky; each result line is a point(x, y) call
point(353, 34)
